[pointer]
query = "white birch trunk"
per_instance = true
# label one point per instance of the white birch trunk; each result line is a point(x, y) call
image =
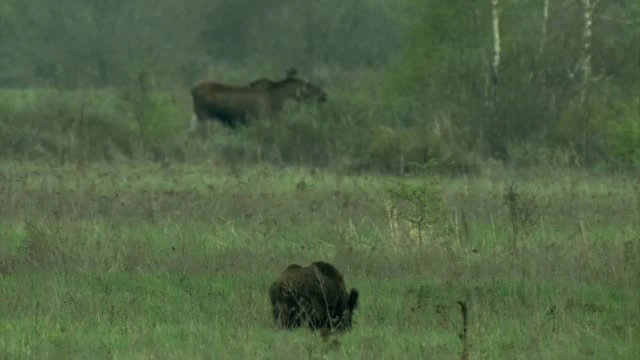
point(545, 25)
point(495, 15)
point(585, 61)
point(496, 53)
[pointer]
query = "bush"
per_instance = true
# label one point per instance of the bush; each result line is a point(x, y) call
point(623, 136)
point(87, 125)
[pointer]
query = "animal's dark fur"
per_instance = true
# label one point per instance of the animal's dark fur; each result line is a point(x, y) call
point(265, 83)
point(232, 105)
point(262, 83)
point(314, 294)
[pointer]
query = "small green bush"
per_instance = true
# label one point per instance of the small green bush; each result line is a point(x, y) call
point(623, 136)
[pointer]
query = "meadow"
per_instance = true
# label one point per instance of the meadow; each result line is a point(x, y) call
point(483, 155)
point(142, 260)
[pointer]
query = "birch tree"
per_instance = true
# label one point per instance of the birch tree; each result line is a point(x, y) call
point(545, 24)
point(543, 30)
point(496, 51)
point(588, 7)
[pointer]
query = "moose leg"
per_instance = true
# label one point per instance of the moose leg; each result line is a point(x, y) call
point(201, 122)
point(194, 123)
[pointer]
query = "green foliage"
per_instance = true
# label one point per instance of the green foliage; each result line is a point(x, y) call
point(522, 209)
point(623, 136)
point(76, 43)
point(89, 125)
point(444, 45)
point(296, 136)
point(410, 88)
point(97, 42)
point(423, 207)
point(389, 149)
point(535, 97)
point(154, 115)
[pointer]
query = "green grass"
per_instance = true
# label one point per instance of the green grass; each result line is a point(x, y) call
point(142, 261)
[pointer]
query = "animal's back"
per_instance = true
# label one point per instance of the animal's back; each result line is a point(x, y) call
point(323, 282)
point(262, 84)
point(328, 270)
point(227, 101)
point(317, 290)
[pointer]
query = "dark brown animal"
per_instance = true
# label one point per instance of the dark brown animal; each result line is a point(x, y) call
point(234, 105)
point(266, 83)
point(262, 83)
point(314, 295)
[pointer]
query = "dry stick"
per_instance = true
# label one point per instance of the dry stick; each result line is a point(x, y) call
point(463, 334)
point(392, 216)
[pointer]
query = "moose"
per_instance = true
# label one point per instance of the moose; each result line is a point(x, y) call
point(266, 83)
point(234, 105)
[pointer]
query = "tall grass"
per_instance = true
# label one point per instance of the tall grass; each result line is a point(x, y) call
point(140, 260)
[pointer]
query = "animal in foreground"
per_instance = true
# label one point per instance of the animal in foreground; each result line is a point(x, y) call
point(233, 105)
point(315, 295)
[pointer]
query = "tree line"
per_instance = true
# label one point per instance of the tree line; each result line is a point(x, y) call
point(524, 81)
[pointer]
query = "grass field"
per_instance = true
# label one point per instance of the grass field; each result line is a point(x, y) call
point(143, 261)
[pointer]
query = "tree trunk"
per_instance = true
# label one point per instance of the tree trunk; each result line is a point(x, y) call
point(543, 36)
point(495, 63)
point(585, 58)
